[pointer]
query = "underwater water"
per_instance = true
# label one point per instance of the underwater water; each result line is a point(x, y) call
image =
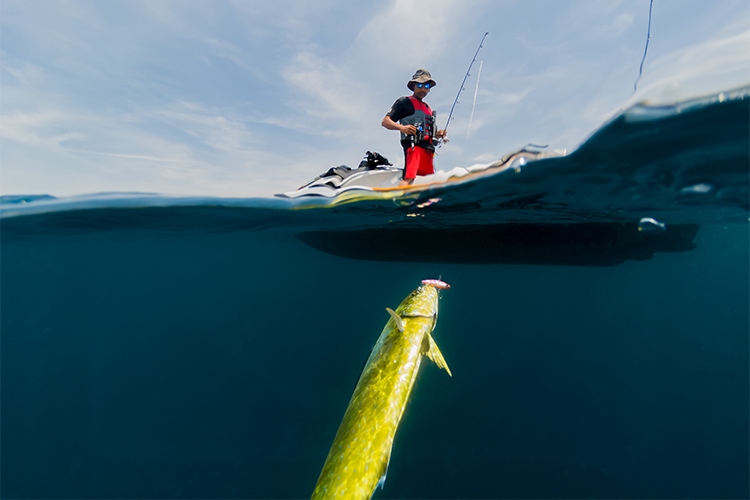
point(163, 347)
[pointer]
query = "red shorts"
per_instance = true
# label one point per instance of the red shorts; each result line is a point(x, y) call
point(418, 162)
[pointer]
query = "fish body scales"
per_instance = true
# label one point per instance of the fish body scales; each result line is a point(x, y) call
point(358, 459)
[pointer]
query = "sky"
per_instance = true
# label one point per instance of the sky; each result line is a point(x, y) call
point(235, 98)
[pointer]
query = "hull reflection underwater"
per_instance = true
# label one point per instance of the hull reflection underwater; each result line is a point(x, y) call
point(358, 460)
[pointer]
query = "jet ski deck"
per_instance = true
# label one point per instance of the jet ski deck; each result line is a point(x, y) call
point(377, 174)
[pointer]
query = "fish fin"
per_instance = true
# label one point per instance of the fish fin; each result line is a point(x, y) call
point(430, 348)
point(399, 321)
point(383, 473)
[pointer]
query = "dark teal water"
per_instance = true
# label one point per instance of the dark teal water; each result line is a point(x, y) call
point(194, 348)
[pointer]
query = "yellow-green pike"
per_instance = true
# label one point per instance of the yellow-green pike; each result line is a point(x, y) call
point(358, 460)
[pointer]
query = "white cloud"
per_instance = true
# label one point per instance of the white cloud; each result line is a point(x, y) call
point(28, 74)
point(328, 89)
point(699, 69)
point(622, 22)
point(134, 157)
point(408, 31)
point(38, 129)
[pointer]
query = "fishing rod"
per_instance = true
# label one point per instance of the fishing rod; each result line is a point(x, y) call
point(462, 83)
point(648, 37)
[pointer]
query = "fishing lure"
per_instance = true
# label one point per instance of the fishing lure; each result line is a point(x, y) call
point(437, 284)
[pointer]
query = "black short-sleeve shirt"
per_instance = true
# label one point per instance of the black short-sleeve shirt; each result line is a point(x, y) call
point(401, 109)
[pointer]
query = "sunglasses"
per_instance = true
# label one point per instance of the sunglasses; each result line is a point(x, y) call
point(425, 85)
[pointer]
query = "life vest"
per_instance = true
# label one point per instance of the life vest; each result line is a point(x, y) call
point(425, 123)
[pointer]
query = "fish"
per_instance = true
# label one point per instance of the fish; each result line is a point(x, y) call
point(358, 460)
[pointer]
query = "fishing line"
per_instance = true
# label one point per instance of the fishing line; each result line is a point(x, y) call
point(476, 90)
point(462, 83)
point(640, 73)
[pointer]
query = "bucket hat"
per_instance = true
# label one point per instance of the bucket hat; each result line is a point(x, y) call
point(421, 76)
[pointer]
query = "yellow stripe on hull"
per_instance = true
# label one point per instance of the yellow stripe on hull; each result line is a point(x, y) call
point(358, 459)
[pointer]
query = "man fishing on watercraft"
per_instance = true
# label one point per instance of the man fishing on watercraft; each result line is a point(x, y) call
point(413, 117)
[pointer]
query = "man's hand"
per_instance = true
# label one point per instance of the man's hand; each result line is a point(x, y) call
point(408, 129)
point(442, 135)
point(391, 125)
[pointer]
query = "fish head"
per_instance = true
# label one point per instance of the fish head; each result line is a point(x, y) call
point(422, 302)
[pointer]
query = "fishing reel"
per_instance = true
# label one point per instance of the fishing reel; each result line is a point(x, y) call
point(427, 130)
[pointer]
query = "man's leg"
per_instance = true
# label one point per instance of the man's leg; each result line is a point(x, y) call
point(411, 166)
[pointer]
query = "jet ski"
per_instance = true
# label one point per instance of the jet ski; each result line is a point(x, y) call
point(376, 173)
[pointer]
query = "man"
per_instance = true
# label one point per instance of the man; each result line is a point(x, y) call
point(412, 117)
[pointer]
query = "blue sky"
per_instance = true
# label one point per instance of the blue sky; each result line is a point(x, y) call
point(249, 98)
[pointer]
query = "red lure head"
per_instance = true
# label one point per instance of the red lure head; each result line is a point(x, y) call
point(437, 284)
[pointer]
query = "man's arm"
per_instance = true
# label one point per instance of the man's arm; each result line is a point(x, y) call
point(404, 129)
